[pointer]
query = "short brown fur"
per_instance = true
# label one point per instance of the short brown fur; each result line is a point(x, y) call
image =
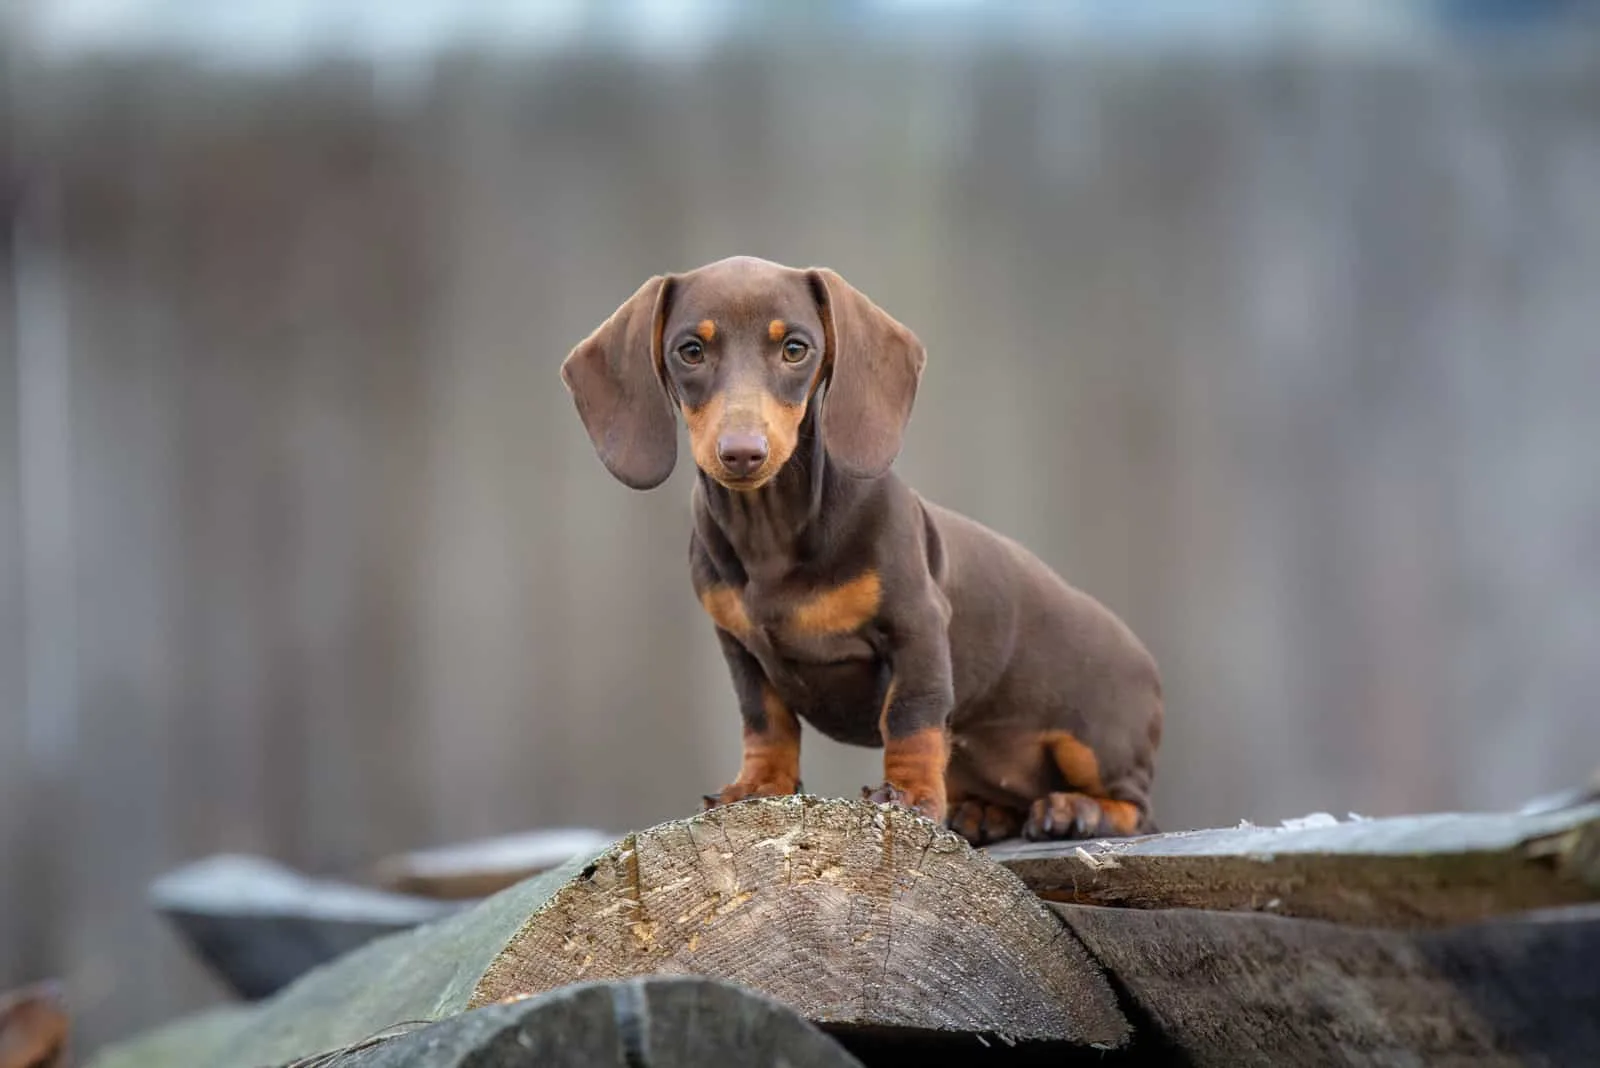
point(1003, 698)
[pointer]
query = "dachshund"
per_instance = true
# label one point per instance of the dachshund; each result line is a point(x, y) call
point(1005, 700)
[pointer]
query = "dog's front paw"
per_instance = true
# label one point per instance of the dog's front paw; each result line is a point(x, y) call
point(740, 791)
point(981, 824)
point(923, 802)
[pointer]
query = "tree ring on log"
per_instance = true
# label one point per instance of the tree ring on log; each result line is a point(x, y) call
point(855, 915)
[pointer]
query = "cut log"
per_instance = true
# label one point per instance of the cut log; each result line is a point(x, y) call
point(1235, 989)
point(477, 869)
point(664, 1022)
point(854, 915)
point(260, 926)
point(34, 1027)
point(1406, 871)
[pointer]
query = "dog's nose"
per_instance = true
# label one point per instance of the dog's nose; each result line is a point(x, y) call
point(742, 454)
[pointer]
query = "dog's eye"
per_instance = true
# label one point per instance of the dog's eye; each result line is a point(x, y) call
point(691, 352)
point(795, 350)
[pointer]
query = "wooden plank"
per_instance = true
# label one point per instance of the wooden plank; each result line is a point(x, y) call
point(1236, 989)
point(852, 914)
point(1410, 870)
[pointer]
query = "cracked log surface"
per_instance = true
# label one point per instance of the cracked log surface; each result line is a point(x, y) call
point(1414, 871)
point(856, 916)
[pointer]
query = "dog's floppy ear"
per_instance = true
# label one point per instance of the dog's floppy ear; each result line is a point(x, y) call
point(613, 377)
point(873, 364)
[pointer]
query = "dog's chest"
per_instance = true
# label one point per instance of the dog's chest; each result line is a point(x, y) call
point(804, 623)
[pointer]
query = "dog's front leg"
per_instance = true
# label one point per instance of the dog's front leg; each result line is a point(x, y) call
point(770, 765)
point(912, 721)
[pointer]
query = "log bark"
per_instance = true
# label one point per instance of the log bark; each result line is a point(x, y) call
point(1236, 989)
point(1407, 871)
point(662, 1022)
point(854, 915)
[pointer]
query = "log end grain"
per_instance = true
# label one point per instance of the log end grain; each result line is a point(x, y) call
point(853, 914)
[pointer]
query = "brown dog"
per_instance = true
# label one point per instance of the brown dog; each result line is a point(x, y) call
point(1003, 697)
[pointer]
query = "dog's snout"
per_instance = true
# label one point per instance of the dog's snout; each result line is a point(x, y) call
point(742, 454)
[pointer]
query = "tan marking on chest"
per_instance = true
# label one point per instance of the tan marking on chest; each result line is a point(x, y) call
point(726, 609)
point(845, 608)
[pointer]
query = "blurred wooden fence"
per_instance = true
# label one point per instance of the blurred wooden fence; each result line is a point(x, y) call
point(1293, 361)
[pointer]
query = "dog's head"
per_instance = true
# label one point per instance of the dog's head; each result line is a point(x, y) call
point(742, 348)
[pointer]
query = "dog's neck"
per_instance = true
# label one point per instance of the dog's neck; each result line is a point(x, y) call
point(770, 532)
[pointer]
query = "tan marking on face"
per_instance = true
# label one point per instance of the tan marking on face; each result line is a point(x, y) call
point(776, 329)
point(705, 423)
point(760, 412)
point(706, 331)
point(843, 609)
point(726, 608)
point(782, 427)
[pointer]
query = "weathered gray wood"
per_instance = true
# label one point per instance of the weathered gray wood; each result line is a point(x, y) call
point(192, 1041)
point(658, 1022)
point(1235, 989)
point(486, 866)
point(423, 974)
point(850, 913)
point(1412, 870)
point(855, 914)
point(260, 925)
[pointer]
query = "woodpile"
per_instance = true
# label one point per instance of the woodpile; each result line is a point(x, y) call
point(835, 933)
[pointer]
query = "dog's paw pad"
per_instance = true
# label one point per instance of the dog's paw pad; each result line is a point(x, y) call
point(887, 794)
point(981, 824)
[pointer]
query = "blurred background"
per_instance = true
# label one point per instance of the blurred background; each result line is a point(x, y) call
point(1275, 325)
